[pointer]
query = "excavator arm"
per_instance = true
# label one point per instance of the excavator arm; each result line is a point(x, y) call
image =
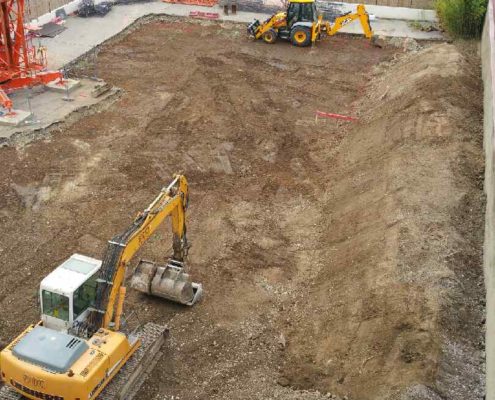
point(172, 201)
point(346, 19)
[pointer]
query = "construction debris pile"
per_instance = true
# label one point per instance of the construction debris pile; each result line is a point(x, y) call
point(330, 10)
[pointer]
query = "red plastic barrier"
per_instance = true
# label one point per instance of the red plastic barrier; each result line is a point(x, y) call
point(204, 3)
point(204, 15)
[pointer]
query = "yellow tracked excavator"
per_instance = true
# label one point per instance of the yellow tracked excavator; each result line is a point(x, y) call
point(302, 24)
point(79, 351)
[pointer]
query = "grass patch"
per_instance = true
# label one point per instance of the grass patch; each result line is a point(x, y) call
point(462, 18)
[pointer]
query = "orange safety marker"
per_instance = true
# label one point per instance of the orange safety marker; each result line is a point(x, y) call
point(335, 116)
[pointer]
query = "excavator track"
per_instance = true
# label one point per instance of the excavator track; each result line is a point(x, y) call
point(128, 381)
point(6, 393)
point(131, 376)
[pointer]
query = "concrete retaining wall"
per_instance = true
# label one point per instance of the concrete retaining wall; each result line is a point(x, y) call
point(386, 12)
point(488, 62)
point(424, 4)
point(35, 8)
point(70, 6)
point(42, 11)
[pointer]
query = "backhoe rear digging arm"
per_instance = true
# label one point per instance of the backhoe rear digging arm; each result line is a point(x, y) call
point(344, 20)
point(364, 18)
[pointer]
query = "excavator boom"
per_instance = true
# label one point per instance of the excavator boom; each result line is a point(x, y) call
point(172, 201)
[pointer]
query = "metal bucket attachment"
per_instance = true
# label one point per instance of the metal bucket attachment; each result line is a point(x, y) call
point(167, 281)
point(142, 277)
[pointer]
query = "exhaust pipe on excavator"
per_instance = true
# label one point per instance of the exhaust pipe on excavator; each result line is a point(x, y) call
point(167, 281)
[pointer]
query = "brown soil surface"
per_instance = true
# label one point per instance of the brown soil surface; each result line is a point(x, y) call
point(338, 259)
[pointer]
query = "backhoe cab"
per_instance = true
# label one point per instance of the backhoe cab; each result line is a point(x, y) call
point(302, 24)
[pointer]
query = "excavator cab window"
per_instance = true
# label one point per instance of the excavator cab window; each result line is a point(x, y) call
point(55, 305)
point(84, 296)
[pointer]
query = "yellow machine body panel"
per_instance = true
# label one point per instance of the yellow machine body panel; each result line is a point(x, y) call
point(280, 20)
point(107, 352)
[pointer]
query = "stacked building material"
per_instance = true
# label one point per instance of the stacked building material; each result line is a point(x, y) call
point(260, 6)
point(329, 9)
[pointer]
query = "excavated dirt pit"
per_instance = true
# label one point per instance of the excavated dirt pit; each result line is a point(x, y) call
point(339, 260)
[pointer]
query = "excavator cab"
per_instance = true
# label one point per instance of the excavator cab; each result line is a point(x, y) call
point(68, 293)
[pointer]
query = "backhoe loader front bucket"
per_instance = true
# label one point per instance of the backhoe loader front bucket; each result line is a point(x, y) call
point(167, 281)
point(252, 28)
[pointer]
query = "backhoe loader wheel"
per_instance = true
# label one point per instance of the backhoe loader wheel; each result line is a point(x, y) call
point(270, 36)
point(300, 36)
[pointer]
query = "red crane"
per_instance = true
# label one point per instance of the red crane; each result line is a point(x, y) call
point(21, 63)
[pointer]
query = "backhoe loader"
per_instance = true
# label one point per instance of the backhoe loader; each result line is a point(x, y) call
point(302, 25)
point(78, 350)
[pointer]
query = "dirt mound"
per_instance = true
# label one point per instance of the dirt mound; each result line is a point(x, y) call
point(399, 298)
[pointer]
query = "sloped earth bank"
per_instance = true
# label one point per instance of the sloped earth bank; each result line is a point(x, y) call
point(338, 259)
point(399, 298)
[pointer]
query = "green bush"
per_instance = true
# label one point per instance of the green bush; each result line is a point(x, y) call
point(462, 18)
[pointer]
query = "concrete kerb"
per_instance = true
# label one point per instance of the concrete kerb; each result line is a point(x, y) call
point(23, 137)
point(15, 118)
